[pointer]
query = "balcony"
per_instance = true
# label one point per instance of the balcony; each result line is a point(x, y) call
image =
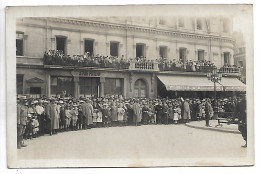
point(230, 70)
point(144, 66)
point(59, 60)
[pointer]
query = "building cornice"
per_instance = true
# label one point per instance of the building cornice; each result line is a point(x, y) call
point(151, 30)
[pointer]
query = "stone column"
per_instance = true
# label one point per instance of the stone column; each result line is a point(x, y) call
point(76, 86)
point(101, 89)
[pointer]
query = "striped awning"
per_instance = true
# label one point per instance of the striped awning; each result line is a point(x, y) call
point(200, 83)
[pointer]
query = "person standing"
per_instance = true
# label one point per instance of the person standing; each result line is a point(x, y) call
point(207, 112)
point(22, 113)
point(52, 114)
point(88, 112)
point(240, 113)
point(186, 111)
point(114, 113)
point(40, 110)
point(120, 114)
point(159, 112)
point(62, 116)
point(136, 113)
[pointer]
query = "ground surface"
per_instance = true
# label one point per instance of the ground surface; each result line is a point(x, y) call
point(150, 141)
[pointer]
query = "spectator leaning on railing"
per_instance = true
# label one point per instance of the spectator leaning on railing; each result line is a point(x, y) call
point(57, 57)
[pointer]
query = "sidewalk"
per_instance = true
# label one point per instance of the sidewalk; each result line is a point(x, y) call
point(232, 128)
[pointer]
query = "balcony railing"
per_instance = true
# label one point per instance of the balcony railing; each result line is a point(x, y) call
point(145, 66)
point(55, 58)
point(229, 70)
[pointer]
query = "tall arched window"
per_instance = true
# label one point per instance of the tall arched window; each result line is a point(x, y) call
point(140, 88)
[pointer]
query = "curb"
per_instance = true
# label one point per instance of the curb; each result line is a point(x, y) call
point(212, 129)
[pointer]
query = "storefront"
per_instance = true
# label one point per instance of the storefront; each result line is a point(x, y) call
point(197, 86)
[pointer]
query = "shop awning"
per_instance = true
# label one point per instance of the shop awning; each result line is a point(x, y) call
point(199, 83)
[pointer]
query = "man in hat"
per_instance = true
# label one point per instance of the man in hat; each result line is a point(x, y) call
point(22, 113)
point(40, 110)
point(137, 113)
point(186, 111)
point(207, 112)
point(87, 111)
point(52, 115)
point(159, 112)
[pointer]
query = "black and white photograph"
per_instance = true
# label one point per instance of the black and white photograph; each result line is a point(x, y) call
point(130, 86)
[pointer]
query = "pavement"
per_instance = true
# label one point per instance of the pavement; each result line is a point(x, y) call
point(153, 143)
point(214, 126)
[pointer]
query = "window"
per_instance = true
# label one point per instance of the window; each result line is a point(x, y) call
point(199, 24)
point(140, 50)
point(182, 54)
point(163, 51)
point(114, 48)
point(61, 44)
point(225, 26)
point(89, 46)
point(240, 64)
point(162, 21)
point(201, 54)
point(88, 87)
point(19, 83)
point(62, 85)
point(19, 43)
point(180, 22)
point(113, 86)
point(226, 58)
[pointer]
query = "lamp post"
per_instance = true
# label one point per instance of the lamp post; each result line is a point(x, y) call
point(215, 77)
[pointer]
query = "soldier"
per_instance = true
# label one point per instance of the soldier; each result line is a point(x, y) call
point(22, 113)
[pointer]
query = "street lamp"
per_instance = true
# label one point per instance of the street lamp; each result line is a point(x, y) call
point(215, 77)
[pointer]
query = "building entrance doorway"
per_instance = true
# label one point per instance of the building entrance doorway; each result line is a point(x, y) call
point(140, 88)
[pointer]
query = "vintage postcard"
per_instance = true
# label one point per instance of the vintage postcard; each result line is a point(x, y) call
point(130, 86)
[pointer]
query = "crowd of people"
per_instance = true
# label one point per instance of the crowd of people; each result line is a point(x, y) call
point(188, 65)
point(39, 116)
point(57, 57)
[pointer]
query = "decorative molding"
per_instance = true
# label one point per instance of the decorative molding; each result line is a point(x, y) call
point(151, 30)
point(35, 80)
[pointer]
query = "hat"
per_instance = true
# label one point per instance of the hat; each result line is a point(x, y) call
point(81, 101)
point(23, 97)
point(61, 102)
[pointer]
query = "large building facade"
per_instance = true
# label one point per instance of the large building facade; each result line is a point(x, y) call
point(170, 38)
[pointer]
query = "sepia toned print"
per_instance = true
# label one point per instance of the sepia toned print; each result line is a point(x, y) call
point(157, 89)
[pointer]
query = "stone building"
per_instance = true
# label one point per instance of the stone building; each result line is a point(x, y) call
point(171, 38)
point(240, 54)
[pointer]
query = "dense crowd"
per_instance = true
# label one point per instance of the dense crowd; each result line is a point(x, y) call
point(57, 57)
point(189, 65)
point(36, 117)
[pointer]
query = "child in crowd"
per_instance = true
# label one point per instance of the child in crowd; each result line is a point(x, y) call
point(120, 112)
point(35, 127)
point(175, 115)
point(74, 115)
point(68, 117)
